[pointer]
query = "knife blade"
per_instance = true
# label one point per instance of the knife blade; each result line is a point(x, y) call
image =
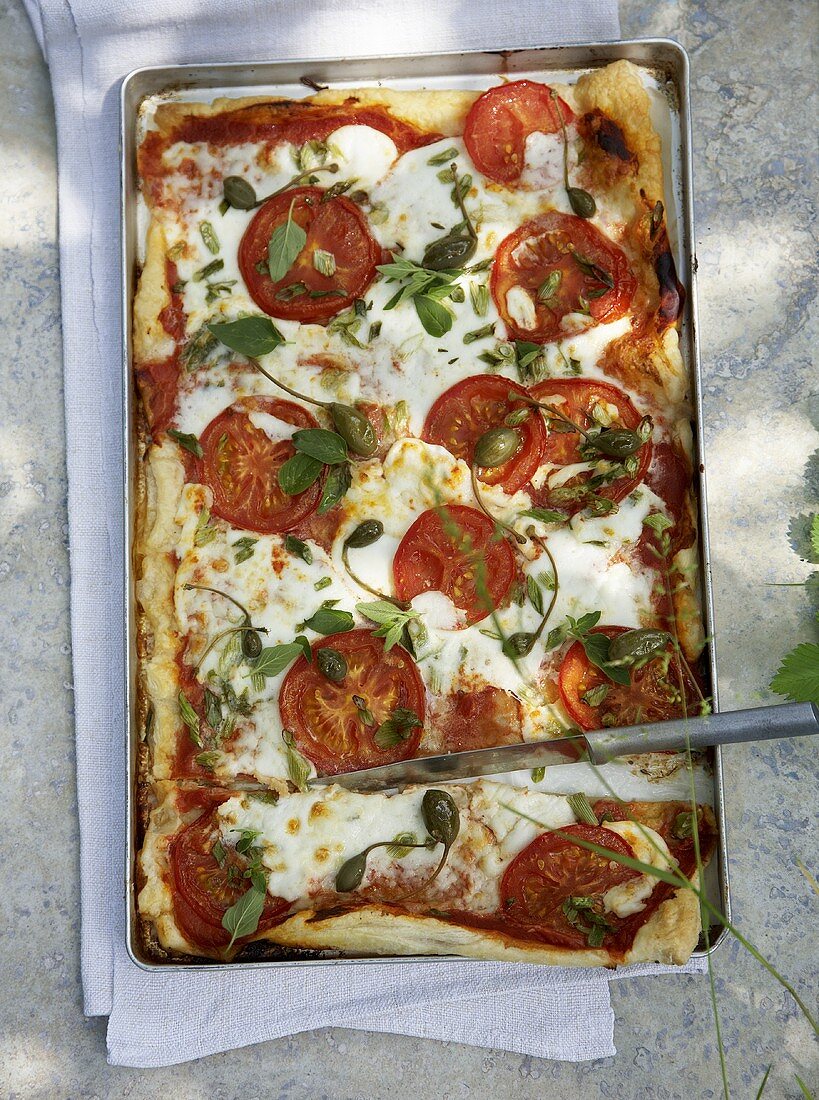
point(599, 746)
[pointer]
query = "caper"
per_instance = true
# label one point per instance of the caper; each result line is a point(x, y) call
point(636, 645)
point(365, 534)
point(518, 645)
point(331, 664)
point(496, 446)
point(441, 816)
point(581, 202)
point(354, 428)
point(251, 644)
point(239, 193)
point(351, 872)
point(449, 252)
point(617, 442)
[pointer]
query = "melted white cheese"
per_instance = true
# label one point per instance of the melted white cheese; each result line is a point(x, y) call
point(649, 847)
point(307, 837)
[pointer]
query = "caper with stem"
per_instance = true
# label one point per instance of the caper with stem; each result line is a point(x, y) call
point(368, 532)
point(350, 423)
point(612, 442)
point(241, 195)
point(581, 202)
point(350, 874)
point(251, 640)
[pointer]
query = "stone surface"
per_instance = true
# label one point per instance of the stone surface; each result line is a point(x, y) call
point(755, 162)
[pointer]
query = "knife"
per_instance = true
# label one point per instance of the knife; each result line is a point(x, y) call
point(599, 747)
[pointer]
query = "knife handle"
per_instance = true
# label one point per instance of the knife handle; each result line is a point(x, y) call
point(726, 728)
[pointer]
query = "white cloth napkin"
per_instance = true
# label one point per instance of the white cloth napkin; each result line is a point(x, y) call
point(158, 1019)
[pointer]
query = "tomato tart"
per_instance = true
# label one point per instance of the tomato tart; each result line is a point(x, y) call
point(416, 477)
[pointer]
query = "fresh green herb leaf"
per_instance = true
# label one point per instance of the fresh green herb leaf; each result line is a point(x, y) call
point(324, 262)
point(546, 515)
point(391, 620)
point(208, 270)
point(444, 157)
point(803, 535)
point(798, 675)
point(298, 473)
point(275, 659)
point(242, 918)
point(298, 767)
point(436, 318)
point(190, 718)
point(481, 334)
point(346, 325)
point(208, 760)
point(251, 336)
point(322, 582)
point(218, 852)
point(209, 237)
point(658, 522)
point(295, 546)
point(213, 709)
point(189, 442)
point(535, 594)
point(286, 242)
point(339, 480)
point(243, 548)
point(203, 533)
point(549, 287)
point(323, 445)
point(595, 695)
point(397, 728)
point(479, 296)
point(329, 621)
point(538, 775)
point(582, 808)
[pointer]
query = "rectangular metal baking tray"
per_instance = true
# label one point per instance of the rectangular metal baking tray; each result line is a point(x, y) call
point(665, 59)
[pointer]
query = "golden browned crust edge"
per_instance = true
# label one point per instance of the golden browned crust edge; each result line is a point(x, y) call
point(669, 936)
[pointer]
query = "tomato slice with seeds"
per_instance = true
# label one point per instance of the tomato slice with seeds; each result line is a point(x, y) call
point(464, 412)
point(303, 294)
point(558, 264)
point(443, 551)
point(500, 121)
point(576, 398)
point(654, 694)
point(205, 889)
point(241, 463)
point(329, 720)
point(550, 870)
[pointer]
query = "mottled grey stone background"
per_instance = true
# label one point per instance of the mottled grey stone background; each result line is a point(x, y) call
point(755, 110)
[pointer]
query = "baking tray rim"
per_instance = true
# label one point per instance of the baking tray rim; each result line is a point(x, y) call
point(650, 52)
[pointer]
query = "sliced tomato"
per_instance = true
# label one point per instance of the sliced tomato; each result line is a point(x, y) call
point(303, 294)
point(446, 550)
point(241, 464)
point(205, 889)
point(464, 412)
point(562, 448)
point(654, 694)
point(574, 266)
point(500, 121)
point(329, 720)
point(552, 869)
